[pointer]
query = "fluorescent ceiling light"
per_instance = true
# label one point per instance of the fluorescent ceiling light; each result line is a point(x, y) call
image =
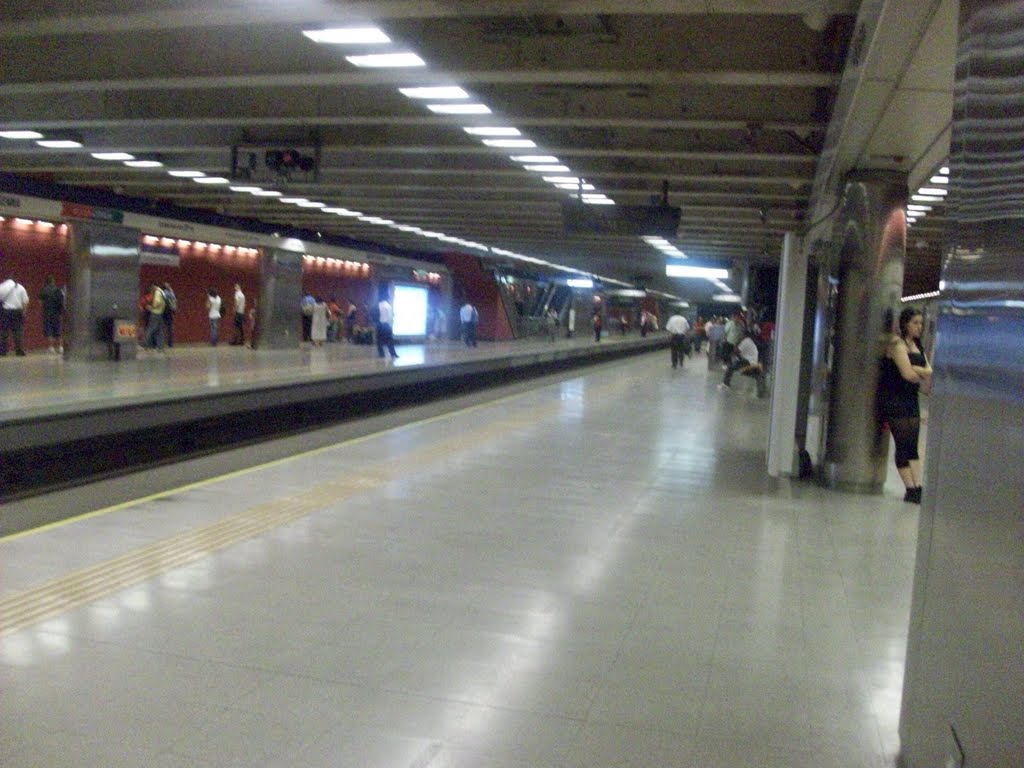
point(548, 168)
point(562, 179)
point(381, 60)
point(294, 200)
point(211, 180)
point(933, 191)
point(685, 270)
point(580, 282)
point(59, 143)
point(459, 109)
point(493, 131)
point(927, 199)
point(254, 190)
point(574, 187)
point(913, 207)
point(598, 201)
point(311, 204)
point(143, 163)
point(435, 92)
point(113, 156)
point(186, 174)
point(730, 298)
point(535, 159)
point(944, 171)
point(375, 220)
point(20, 135)
point(510, 143)
point(347, 36)
point(939, 180)
point(266, 193)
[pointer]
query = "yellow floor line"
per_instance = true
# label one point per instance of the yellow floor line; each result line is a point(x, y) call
point(90, 583)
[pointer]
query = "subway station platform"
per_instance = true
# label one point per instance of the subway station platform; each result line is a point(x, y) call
point(587, 568)
point(64, 421)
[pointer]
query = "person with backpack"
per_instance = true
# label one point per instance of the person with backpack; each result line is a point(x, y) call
point(170, 310)
point(154, 338)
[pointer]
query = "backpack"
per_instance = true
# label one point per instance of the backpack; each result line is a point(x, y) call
point(171, 301)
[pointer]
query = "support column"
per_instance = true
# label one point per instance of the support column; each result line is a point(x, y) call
point(963, 687)
point(103, 284)
point(278, 323)
point(862, 286)
point(783, 459)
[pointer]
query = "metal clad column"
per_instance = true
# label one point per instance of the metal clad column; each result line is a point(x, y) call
point(103, 283)
point(867, 273)
point(963, 691)
point(782, 451)
point(278, 316)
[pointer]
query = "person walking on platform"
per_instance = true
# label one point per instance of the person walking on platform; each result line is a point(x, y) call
point(213, 310)
point(904, 369)
point(598, 323)
point(170, 312)
point(13, 301)
point(469, 318)
point(678, 327)
point(385, 337)
point(238, 339)
point(52, 299)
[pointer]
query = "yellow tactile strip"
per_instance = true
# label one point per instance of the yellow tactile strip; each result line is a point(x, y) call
point(64, 593)
point(95, 581)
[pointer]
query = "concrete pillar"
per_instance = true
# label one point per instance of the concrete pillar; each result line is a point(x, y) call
point(103, 283)
point(862, 284)
point(783, 458)
point(963, 690)
point(278, 324)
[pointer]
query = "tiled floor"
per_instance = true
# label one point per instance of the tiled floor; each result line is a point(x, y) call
point(597, 572)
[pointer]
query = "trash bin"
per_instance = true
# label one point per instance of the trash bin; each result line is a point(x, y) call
point(116, 332)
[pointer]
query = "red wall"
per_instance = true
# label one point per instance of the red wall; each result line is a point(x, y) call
point(28, 253)
point(481, 288)
point(197, 273)
point(31, 251)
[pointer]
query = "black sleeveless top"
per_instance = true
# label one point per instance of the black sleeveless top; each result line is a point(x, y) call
point(897, 397)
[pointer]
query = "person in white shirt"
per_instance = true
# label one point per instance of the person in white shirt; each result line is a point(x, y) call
point(678, 327)
point(239, 300)
point(13, 301)
point(469, 318)
point(746, 362)
point(213, 312)
point(385, 337)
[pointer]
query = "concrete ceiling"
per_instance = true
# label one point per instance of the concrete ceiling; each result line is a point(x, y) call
point(722, 108)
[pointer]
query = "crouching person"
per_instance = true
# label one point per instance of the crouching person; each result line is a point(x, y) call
point(745, 361)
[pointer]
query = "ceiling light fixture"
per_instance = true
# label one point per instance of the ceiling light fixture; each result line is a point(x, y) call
point(435, 92)
point(535, 158)
point(510, 143)
point(20, 135)
point(59, 143)
point(113, 156)
point(347, 36)
point(186, 174)
point(211, 180)
point(493, 131)
point(685, 270)
point(548, 168)
point(385, 60)
point(459, 109)
point(143, 163)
